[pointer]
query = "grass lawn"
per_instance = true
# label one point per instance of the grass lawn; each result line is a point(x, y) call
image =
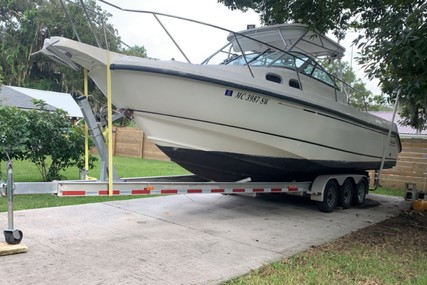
point(24, 171)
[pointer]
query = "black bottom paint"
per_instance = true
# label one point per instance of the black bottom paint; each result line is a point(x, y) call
point(224, 167)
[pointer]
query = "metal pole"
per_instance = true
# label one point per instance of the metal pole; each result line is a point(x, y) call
point(243, 54)
point(387, 141)
point(90, 24)
point(110, 127)
point(9, 196)
point(70, 20)
point(96, 134)
point(86, 93)
point(170, 36)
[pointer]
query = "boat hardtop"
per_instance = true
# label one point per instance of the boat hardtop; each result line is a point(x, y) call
point(287, 37)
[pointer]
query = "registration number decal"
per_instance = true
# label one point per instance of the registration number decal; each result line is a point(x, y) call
point(246, 97)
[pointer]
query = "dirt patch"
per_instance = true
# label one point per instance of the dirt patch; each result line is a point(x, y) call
point(405, 231)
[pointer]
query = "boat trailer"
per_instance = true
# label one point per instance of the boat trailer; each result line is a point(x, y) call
point(326, 190)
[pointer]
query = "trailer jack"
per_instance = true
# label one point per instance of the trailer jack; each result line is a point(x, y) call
point(11, 235)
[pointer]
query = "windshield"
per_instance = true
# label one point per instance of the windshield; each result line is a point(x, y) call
point(295, 61)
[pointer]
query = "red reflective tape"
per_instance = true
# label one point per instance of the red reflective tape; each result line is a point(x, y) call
point(292, 188)
point(194, 191)
point(258, 190)
point(74, 193)
point(276, 189)
point(140, 192)
point(238, 190)
point(217, 191)
point(106, 192)
point(169, 191)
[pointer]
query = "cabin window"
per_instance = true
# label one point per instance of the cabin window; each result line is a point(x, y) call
point(294, 83)
point(239, 59)
point(295, 61)
point(311, 68)
point(322, 75)
point(273, 77)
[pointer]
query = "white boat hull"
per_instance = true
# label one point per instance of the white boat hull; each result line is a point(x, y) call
point(221, 129)
point(222, 137)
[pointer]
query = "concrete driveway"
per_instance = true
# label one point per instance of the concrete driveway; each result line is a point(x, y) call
point(182, 239)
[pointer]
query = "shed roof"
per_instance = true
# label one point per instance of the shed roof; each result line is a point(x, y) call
point(403, 130)
point(23, 98)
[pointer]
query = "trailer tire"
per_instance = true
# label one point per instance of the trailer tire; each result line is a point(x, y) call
point(346, 194)
point(13, 236)
point(360, 191)
point(330, 197)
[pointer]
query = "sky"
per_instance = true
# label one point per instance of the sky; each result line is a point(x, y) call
point(196, 41)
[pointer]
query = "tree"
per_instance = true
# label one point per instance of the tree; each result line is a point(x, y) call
point(358, 96)
point(394, 50)
point(51, 135)
point(323, 16)
point(25, 24)
point(135, 50)
point(48, 139)
point(13, 136)
point(393, 39)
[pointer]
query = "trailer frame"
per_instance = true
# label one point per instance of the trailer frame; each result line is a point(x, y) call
point(190, 184)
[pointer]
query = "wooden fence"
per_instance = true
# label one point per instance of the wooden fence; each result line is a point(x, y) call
point(411, 165)
point(132, 142)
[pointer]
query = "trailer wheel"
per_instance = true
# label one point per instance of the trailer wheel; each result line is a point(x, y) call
point(330, 197)
point(346, 194)
point(360, 192)
point(13, 236)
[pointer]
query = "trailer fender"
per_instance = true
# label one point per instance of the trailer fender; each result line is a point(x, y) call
point(318, 186)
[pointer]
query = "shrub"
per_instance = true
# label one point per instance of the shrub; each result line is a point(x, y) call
point(46, 138)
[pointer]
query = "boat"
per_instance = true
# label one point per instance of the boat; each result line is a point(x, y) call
point(267, 111)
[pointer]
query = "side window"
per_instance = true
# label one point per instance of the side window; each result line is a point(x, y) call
point(308, 69)
point(304, 65)
point(322, 75)
point(239, 60)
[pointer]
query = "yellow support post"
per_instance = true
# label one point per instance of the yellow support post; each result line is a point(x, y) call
point(110, 128)
point(86, 93)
